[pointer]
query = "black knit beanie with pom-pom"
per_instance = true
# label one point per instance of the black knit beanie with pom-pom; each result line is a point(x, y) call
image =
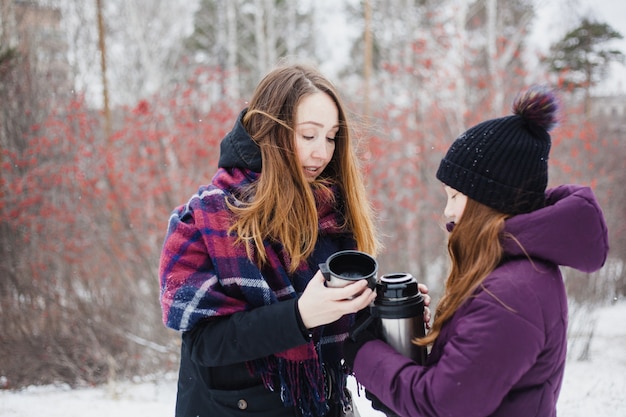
point(503, 163)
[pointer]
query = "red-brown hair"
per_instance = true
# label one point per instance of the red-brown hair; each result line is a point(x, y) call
point(475, 251)
point(281, 205)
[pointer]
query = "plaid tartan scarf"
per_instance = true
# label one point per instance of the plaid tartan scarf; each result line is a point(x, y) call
point(194, 289)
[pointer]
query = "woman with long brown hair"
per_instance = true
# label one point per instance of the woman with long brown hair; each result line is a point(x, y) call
point(261, 333)
point(499, 333)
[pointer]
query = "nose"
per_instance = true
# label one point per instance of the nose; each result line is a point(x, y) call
point(447, 211)
point(320, 149)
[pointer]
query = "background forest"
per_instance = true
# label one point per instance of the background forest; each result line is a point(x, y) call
point(111, 114)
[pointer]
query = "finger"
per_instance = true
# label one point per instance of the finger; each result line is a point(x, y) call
point(355, 288)
point(427, 317)
point(318, 281)
point(348, 292)
point(318, 277)
point(423, 288)
point(426, 299)
point(370, 296)
point(359, 302)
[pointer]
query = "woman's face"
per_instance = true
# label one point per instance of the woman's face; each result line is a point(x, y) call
point(455, 205)
point(317, 123)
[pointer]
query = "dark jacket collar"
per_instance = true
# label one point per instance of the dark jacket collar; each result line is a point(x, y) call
point(238, 150)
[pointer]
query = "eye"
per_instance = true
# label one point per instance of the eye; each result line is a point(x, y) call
point(331, 139)
point(308, 137)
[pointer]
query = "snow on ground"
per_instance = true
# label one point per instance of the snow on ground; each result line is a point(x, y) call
point(597, 387)
point(591, 388)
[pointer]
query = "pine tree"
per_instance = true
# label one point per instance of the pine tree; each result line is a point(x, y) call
point(582, 58)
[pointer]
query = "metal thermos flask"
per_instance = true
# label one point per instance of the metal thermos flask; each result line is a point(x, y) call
point(399, 305)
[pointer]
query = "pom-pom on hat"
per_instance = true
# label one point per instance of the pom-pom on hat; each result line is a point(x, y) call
point(503, 163)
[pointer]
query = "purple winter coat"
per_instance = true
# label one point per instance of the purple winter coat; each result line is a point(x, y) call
point(503, 352)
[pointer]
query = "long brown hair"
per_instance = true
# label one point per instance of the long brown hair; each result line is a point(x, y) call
point(280, 205)
point(475, 251)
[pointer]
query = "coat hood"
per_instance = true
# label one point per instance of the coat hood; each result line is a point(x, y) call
point(239, 150)
point(569, 231)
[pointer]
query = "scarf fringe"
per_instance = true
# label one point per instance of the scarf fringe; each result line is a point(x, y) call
point(301, 382)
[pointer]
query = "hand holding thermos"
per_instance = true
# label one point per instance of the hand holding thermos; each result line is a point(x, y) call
point(397, 313)
point(343, 286)
point(396, 316)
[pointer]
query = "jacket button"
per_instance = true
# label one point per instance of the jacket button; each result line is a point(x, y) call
point(242, 404)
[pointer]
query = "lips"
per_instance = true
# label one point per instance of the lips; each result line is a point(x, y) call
point(312, 171)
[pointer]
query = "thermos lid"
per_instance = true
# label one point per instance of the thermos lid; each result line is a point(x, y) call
point(397, 296)
point(397, 286)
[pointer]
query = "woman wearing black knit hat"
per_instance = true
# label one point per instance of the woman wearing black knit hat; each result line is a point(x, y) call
point(499, 334)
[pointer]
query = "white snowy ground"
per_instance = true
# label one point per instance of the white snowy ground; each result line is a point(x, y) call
point(593, 388)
